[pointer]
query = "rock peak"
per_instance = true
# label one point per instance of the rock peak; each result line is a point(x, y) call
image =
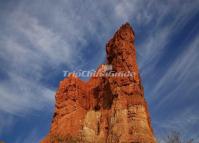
point(108, 109)
point(126, 27)
point(121, 52)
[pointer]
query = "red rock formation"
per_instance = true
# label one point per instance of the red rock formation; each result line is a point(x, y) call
point(108, 109)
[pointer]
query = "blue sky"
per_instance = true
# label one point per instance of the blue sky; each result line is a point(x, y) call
point(40, 39)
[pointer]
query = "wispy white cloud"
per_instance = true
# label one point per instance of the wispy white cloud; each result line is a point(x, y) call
point(27, 48)
point(40, 34)
point(177, 89)
point(19, 96)
point(184, 122)
point(160, 34)
point(181, 74)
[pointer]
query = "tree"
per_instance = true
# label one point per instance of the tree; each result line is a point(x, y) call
point(175, 137)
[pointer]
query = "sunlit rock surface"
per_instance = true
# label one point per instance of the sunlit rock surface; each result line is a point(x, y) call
point(104, 109)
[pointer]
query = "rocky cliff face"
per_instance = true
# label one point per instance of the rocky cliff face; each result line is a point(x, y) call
point(107, 109)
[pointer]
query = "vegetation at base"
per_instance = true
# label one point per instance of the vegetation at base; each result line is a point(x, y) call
point(176, 137)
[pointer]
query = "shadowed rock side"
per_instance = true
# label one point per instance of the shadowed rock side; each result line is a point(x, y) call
point(104, 109)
